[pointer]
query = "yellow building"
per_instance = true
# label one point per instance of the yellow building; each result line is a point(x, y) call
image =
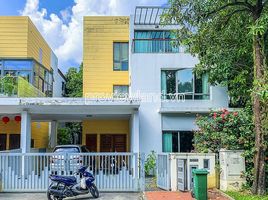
point(105, 61)
point(25, 60)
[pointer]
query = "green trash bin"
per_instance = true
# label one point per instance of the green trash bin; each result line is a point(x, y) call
point(200, 184)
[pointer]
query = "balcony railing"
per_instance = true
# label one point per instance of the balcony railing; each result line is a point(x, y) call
point(154, 46)
point(11, 86)
point(185, 96)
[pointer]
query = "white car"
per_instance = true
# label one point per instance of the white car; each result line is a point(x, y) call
point(67, 159)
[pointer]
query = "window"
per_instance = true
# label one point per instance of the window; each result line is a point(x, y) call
point(206, 164)
point(43, 79)
point(183, 84)
point(170, 142)
point(120, 91)
point(154, 42)
point(177, 141)
point(22, 68)
point(120, 56)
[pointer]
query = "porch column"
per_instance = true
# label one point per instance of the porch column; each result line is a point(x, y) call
point(25, 136)
point(53, 128)
point(135, 132)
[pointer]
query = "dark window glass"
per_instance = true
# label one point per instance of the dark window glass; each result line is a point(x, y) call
point(120, 56)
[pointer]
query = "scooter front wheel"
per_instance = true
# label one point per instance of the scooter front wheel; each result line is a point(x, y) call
point(94, 191)
point(52, 197)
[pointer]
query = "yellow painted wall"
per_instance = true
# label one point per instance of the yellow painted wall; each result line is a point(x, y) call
point(39, 132)
point(19, 38)
point(99, 34)
point(105, 127)
point(13, 36)
point(35, 42)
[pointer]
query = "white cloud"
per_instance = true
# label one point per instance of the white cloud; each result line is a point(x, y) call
point(63, 31)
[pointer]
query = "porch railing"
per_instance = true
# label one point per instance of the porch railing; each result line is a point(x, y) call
point(30, 172)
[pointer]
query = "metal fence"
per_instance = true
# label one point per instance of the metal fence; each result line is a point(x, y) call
point(30, 172)
point(163, 171)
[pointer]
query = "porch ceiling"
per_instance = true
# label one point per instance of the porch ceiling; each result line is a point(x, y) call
point(68, 108)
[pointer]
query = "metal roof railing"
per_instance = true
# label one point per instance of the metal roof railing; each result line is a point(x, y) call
point(149, 15)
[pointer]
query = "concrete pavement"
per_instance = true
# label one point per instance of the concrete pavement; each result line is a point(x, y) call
point(42, 196)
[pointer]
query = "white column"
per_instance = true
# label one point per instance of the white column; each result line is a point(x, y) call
point(135, 132)
point(53, 127)
point(25, 137)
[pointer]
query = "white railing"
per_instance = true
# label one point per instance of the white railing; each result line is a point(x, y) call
point(163, 171)
point(30, 172)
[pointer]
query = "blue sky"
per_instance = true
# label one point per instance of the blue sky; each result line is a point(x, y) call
point(61, 21)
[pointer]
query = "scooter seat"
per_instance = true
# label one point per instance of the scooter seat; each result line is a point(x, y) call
point(63, 178)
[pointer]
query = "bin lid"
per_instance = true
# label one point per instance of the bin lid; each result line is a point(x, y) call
point(200, 171)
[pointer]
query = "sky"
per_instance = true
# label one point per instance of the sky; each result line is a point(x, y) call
point(61, 21)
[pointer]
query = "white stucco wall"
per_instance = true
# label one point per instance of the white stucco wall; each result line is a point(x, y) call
point(57, 84)
point(145, 76)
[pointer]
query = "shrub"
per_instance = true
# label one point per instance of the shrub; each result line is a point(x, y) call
point(150, 164)
point(229, 130)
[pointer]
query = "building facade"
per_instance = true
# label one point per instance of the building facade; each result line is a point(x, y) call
point(136, 56)
point(28, 68)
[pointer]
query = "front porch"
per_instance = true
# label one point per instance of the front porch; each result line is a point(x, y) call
point(108, 125)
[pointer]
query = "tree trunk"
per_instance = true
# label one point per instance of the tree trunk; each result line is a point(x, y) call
point(258, 108)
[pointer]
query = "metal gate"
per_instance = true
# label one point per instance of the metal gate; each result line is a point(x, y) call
point(29, 172)
point(163, 171)
point(181, 175)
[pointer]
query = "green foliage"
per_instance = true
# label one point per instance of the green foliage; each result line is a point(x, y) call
point(64, 136)
point(74, 83)
point(8, 85)
point(221, 36)
point(245, 196)
point(75, 129)
point(228, 130)
point(150, 164)
point(74, 88)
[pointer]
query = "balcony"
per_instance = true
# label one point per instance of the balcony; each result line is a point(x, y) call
point(11, 86)
point(217, 98)
point(154, 46)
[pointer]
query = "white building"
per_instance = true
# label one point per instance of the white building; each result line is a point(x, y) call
point(156, 66)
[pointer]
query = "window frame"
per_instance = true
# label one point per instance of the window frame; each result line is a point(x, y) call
point(126, 94)
point(193, 93)
point(120, 55)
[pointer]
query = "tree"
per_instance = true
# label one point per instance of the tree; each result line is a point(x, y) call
point(74, 83)
point(228, 36)
point(74, 88)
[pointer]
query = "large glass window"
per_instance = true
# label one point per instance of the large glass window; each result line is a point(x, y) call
point(43, 79)
point(21, 68)
point(184, 84)
point(154, 42)
point(177, 141)
point(120, 91)
point(120, 50)
point(18, 65)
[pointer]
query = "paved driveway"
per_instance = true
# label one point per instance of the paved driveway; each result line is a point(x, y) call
point(42, 196)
